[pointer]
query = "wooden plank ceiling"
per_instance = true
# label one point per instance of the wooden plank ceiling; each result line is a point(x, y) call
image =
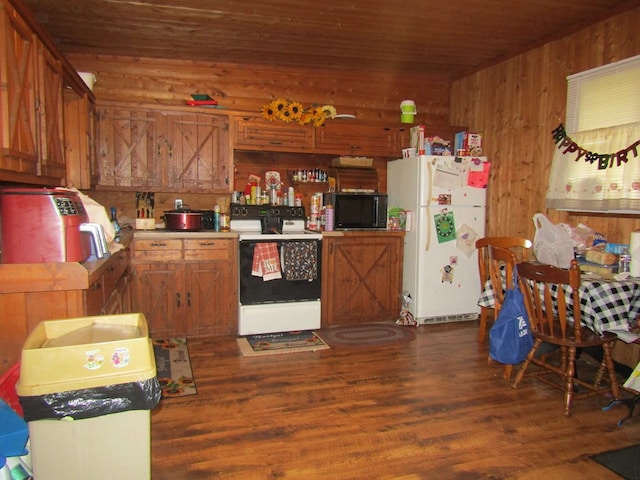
point(451, 37)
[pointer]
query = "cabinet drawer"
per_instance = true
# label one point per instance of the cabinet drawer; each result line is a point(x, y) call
point(160, 244)
point(95, 296)
point(257, 132)
point(206, 249)
point(115, 269)
point(160, 250)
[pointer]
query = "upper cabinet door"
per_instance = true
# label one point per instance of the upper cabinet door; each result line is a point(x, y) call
point(256, 133)
point(50, 111)
point(128, 151)
point(344, 138)
point(18, 132)
point(31, 105)
point(198, 152)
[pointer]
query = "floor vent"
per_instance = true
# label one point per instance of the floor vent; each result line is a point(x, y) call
point(463, 317)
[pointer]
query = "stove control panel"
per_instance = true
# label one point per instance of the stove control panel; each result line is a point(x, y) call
point(255, 212)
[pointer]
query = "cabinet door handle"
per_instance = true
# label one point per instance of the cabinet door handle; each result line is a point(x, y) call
point(188, 299)
point(178, 299)
point(158, 244)
point(207, 244)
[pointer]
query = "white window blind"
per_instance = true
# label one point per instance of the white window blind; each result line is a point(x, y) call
point(603, 97)
point(603, 117)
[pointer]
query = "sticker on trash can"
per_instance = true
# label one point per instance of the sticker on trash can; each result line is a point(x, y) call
point(95, 359)
point(120, 357)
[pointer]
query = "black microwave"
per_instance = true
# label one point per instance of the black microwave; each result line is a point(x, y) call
point(358, 210)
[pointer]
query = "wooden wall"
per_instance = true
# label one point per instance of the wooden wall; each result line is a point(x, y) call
point(372, 98)
point(517, 103)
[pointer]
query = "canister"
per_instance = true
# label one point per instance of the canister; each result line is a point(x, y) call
point(316, 203)
point(225, 224)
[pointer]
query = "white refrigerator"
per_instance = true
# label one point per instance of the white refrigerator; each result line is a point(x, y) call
point(445, 198)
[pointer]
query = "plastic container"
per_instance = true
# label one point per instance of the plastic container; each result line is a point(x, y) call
point(13, 432)
point(8, 388)
point(407, 111)
point(87, 386)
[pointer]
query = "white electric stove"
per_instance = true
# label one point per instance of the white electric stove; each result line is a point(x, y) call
point(288, 303)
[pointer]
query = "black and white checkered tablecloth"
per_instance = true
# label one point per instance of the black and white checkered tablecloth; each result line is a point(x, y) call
point(606, 305)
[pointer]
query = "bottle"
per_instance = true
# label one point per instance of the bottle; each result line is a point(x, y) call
point(216, 218)
point(328, 218)
point(114, 220)
point(624, 261)
point(291, 196)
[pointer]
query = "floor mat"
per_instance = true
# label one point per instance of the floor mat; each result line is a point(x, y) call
point(625, 462)
point(174, 367)
point(282, 342)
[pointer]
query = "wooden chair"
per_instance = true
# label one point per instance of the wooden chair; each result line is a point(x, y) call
point(520, 247)
point(557, 322)
point(501, 263)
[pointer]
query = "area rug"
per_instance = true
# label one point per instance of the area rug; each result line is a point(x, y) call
point(625, 462)
point(282, 342)
point(367, 335)
point(174, 367)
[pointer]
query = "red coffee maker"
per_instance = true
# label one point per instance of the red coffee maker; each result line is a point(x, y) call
point(42, 225)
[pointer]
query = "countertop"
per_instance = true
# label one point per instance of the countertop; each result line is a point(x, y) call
point(162, 233)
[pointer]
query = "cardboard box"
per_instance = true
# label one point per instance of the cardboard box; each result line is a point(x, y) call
point(626, 353)
point(468, 144)
point(418, 138)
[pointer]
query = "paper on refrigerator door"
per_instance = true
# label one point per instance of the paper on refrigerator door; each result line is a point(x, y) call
point(449, 175)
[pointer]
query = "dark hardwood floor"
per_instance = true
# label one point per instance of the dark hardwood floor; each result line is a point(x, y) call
point(429, 409)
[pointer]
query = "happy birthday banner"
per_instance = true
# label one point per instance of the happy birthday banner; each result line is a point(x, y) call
point(604, 160)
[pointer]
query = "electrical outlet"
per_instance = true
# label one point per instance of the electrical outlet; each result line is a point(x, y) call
point(177, 203)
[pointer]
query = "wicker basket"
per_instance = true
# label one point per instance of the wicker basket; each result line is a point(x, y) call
point(357, 162)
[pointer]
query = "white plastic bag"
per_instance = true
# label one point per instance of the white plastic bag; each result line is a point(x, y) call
point(552, 243)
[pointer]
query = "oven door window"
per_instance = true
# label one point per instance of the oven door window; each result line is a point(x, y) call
point(255, 290)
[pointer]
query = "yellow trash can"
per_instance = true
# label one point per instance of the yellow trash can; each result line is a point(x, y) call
point(87, 386)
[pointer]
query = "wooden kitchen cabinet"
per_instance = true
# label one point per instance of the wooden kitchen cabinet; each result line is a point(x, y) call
point(80, 119)
point(361, 277)
point(187, 286)
point(31, 106)
point(342, 138)
point(197, 156)
point(168, 150)
point(31, 293)
point(128, 151)
point(256, 133)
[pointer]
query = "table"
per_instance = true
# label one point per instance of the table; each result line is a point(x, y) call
point(606, 304)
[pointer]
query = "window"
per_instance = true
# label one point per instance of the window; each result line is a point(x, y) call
point(596, 163)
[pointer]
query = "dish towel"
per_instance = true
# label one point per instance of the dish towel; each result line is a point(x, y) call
point(300, 260)
point(266, 261)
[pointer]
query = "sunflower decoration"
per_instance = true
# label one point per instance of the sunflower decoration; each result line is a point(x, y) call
point(329, 111)
point(269, 112)
point(295, 112)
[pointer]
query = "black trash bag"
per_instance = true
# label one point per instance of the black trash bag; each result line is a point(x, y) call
point(93, 402)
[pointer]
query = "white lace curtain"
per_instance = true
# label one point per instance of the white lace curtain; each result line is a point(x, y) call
point(578, 184)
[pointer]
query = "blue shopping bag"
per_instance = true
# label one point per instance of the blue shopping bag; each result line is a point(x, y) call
point(510, 337)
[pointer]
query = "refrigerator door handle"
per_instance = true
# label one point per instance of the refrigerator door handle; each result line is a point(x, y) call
point(429, 183)
point(427, 244)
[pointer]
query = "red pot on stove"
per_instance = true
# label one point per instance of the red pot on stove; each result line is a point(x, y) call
point(183, 219)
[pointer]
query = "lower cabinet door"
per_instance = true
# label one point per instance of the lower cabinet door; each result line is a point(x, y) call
point(362, 279)
point(158, 293)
